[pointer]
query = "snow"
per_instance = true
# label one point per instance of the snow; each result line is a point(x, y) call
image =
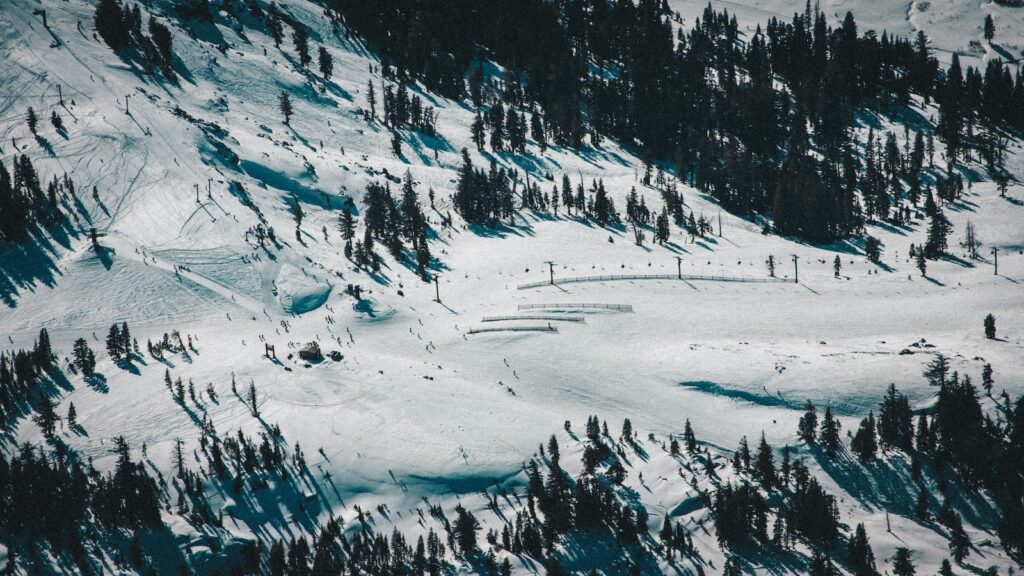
point(418, 407)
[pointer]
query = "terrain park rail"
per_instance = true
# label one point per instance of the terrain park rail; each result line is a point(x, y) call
point(685, 277)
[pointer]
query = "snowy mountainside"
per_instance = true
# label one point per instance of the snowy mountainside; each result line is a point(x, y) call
point(421, 409)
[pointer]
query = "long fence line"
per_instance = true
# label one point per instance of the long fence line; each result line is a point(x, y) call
point(618, 307)
point(551, 318)
point(514, 329)
point(689, 277)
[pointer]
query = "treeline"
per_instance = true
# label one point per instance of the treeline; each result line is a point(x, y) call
point(23, 202)
point(704, 99)
point(957, 437)
point(120, 26)
point(393, 223)
point(19, 374)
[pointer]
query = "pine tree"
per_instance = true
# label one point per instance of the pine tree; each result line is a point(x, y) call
point(46, 416)
point(937, 370)
point(689, 439)
point(807, 428)
point(114, 342)
point(163, 40)
point(922, 509)
point(902, 565)
point(990, 326)
point(830, 433)
point(284, 103)
point(85, 360)
point(862, 559)
point(326, 63)
point(864, 444)
point(72, 415)
point(253, 407)
point(478, 132)
point(959, 542)
point(986, 378)
point(110, 23)
point(300, 38)
point(990, 28)
point(465, 528)
point(371, 99)
point(764, 466)
point(895, 424)
point(33, 120)
point(55, 119)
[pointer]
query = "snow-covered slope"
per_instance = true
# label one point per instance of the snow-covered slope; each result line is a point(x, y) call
point(420, 406)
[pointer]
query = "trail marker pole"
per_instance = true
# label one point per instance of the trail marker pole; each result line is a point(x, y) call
point(197, 193)
point(995, 254)
point(126, 96)
point(60, 95)
point(796, 271)
point(679, 266)
point(551, 271)
point(437, 288)
point(209, 190)
point(719, 223)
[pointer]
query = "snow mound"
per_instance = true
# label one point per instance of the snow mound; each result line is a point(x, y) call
point(298, 293)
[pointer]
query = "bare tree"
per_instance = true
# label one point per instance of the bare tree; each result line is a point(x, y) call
point(971, 240)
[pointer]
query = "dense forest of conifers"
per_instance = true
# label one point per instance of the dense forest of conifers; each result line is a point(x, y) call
point(763, 122)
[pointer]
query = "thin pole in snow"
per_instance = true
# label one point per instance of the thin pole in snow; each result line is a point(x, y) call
point(679, 266)
point(551, 271)
point(209, 191)
point(60, 95)
point(437, 288)
point(126, 96)
point(995, 254)
point(197, 193)
point(719, 223)
point(796, 270)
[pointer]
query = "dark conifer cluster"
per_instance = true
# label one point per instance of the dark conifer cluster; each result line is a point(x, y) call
point(120, 26)
point(25, 204)
point(391, 223)
point(20, 371)
point(704, 99)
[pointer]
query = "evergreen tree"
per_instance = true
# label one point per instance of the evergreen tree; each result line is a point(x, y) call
point(902, 564)
point(85, 360)
point(300, 38)
point(922, 509)
point(937, 370)
point(764, 465)
point(862, 559)
point(830, 433)
point(986, 378)
point(326, 62)
point(465, 528)
point(807, 428)
point(110, 23)
point(864, 444)
point(114, 349)
point(46, 416)
point(895, 421)
point(689, 439)
point(284, 104)
point(990, 326)
point(163, 40)
point(990, 28)
point(32, 120)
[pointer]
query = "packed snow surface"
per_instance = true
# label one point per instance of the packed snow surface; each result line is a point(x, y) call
point(418, 406)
